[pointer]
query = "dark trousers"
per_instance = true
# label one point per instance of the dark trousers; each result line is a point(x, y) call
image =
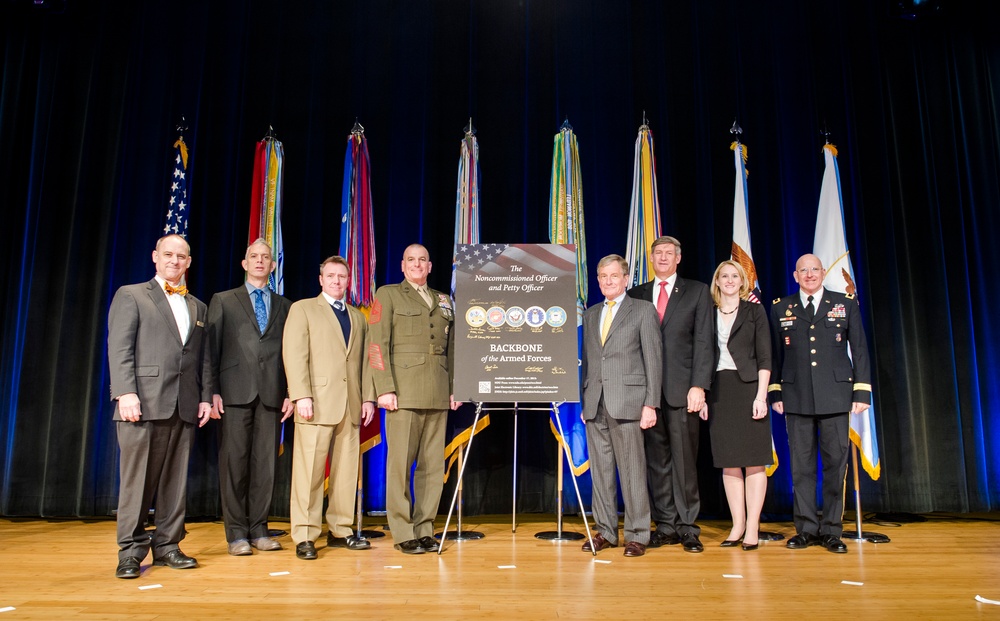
point(672, 470)
point(246, 468)
point(829, 437)
point(154, 462)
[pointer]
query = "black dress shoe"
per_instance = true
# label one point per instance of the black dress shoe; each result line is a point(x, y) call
point(410, 547)
point(175, 559)
point(658, 539)
point(306, 551)
point(747, 547)
point(429, 544)
point(692, 543)
point(351, 542)
point(833, 544)
point(802, 540)
point(128, 568)
point(731, 543)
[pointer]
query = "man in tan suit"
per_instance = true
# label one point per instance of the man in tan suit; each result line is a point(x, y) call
point(323, 350)
point(410, 356)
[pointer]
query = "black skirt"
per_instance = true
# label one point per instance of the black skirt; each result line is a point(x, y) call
point(738, 441)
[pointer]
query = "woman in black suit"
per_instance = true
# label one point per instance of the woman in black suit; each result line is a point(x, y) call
point(737, 405)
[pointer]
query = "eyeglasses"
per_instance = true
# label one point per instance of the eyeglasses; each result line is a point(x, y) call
point(810, 270)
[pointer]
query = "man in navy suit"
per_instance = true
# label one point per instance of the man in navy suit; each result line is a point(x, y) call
point(249, 392)
point(685, 311)
point(157, 360)
point(622, 358)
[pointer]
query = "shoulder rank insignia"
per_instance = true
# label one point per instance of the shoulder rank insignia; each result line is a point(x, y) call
point(849, 296)
point(776, 300)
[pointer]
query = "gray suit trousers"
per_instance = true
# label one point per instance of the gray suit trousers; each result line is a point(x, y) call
point(154, 462)
point(618, 444)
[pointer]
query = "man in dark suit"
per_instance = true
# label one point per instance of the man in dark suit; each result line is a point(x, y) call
point(685, 311)
point(245, 325)
point(816, 384)
point(324, 353)
point(157, 358)
point(622, 371)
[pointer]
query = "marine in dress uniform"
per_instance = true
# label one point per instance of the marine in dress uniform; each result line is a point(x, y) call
point(410, 359)
point(816, 382)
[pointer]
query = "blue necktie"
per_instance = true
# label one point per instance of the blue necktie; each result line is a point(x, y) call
point(260, 310)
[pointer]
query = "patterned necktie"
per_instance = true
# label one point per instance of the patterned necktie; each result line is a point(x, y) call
point(345, 321)
point(606, 324)
point(810, 309)
point(180, 290)
point(260, 310)
point(661, 301)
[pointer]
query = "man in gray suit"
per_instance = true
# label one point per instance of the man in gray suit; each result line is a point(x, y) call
point(248, 387)
point(157, 358)
point(622, 369)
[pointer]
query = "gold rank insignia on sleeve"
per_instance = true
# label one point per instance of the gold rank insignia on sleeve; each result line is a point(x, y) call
point(774, 387)
point(864, 387)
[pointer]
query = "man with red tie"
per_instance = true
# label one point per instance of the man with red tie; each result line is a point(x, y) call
point(685, 311)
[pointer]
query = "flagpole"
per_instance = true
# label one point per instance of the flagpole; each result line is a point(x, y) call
point(445, 535)
point(466, 232)
point(860, 534)
point(830, 245)
point(559, 534)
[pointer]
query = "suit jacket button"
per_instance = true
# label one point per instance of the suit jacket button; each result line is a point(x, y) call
point(814, 363)
point(812, 338)
point(812, 351)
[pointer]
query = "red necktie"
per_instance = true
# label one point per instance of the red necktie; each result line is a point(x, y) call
point(661, 302)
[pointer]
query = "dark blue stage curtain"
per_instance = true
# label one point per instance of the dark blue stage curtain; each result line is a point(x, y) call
point(90, 94)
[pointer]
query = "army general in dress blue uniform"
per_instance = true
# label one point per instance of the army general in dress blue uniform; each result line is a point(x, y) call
point(816, 382)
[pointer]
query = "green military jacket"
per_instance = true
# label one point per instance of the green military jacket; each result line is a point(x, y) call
point(411, 346)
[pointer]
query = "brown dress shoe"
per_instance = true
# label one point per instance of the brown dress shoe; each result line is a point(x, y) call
point(600, 543)
point(634, 548)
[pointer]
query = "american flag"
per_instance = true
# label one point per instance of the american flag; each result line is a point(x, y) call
point(495, 259)
point(177, 207)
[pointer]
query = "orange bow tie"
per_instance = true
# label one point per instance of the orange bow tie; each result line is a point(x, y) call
point(182, 290)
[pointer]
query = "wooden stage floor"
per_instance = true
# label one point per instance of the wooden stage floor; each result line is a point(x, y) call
point(931, 570)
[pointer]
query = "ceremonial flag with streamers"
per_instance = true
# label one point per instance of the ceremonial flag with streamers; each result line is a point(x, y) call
point(460, 421)
point(265, 204)
point(644, 212)
point(265, 214)
point(830, 245)
point(741, 245)
point(566, 227)
point(357, 243)
point(177, 206)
